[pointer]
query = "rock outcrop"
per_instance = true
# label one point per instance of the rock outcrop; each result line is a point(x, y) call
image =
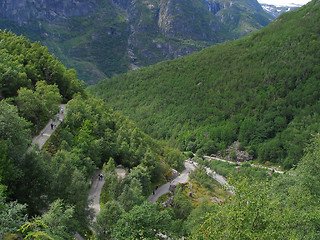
point(101, 38)
point(26, 11)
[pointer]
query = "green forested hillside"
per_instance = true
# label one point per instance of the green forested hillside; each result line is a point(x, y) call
point(262, 89)
point(47, 191)
point(23, 64)
point(44, 194)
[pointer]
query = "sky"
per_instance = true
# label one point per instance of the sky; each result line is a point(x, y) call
point(284, 2)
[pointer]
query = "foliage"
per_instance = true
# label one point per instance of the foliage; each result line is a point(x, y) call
point(286, 207)
point(91, 136)
point(204, 186)
point(59, 220)
point(33, 230)
point(261, 89)
point(107, 219)
point(142, 222)
point(40, 105)
point(23, 64)
point(237, 171)
point(242, 216)
point(174, 157)
point(198, 215)
point(182, 206)
point(12, 215)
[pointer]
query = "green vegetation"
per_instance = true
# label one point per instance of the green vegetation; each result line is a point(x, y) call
point(236, 171)
point(206, 187)
point(90, 135)
point(284, 208)
point(23, 64)
point(261, 90)
point(43, 194)
point(114, 36)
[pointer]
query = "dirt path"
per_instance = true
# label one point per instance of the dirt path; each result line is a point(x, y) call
point(47, 131)
point(275, 169)
point(96, 187)
point(182, 178)
point(95, 191)
point(219, 178)
point(45, 134)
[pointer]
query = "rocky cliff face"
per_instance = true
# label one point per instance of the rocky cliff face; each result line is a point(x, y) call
point(214, 6)
point(189, 19)
point(100, 38)
point(22, 11)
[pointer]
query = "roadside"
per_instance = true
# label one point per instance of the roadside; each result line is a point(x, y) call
point(95, 191)
point(96, 188)
point(47, 131)
point(252, 165)
point(182, 178)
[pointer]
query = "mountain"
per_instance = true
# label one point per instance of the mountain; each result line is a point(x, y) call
point(276, 11)
point(100, 38)
point(262, 90)
point(87, 135)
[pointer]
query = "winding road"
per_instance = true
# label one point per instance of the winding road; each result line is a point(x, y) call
point(252, 165)
point(95, 191)
point(47, 131)
point(182, 178)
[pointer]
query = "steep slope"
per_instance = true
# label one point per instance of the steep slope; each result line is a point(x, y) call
point(262, 89)
point(90, 136)
point(106, 37)
point(276, 11)
point(24, 64)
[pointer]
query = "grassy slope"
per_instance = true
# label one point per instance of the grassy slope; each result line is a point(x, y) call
point(261, 89)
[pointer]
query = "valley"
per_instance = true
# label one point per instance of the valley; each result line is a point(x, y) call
point(242, 108)
point(108, 37)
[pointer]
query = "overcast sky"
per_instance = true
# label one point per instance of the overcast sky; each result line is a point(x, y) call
point(284, 2)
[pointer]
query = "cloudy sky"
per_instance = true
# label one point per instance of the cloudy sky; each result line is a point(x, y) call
point(284, 2)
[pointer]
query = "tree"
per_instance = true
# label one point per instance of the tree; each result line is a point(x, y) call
point(39, 105)
point(197, 215)
point(69, 183)
point(12, 215)
point(142, 222)
point(182, 207)
point(50, 96)
point(174, 158)
point(12, 76)
point(6, 166)
point(141, 174)
point(59, 220)
point(107, 219)
point(35, 230)
point(152, 163)
point(131, 195)
point(31, 107)
point(14, 140)
point(32, 181)
point(244, 215)
point(110, 167)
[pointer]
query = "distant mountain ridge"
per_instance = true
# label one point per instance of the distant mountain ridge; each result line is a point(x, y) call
point(262, 90)
point(276, 11)
point(100, 38)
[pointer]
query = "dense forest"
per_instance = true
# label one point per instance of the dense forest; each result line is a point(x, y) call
point(262, 90)
point(91, 135)
point(44, 193)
